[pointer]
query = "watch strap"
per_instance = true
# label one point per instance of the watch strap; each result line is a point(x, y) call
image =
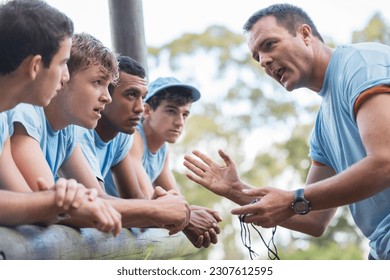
point(299, 194)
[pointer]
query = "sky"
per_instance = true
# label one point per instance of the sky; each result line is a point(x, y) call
point(165, 20)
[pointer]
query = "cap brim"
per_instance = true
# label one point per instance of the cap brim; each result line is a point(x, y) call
point(195, 94)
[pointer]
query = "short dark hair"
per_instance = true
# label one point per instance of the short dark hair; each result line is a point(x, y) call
point(129, 66)
point(289, 16)
point(30, 27)
point(174, 95)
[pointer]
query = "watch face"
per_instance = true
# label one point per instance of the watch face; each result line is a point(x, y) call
point(301, 207)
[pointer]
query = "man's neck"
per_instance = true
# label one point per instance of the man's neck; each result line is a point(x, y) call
point(10, 89)
point(55, 116)
point(323, 55)
point(154, 141)
point(105, 130)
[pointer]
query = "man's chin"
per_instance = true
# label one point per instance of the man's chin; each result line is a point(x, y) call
point(129, 130)
point(288, 86)
point(43, 102)
point(171, 141)
point(88, 125)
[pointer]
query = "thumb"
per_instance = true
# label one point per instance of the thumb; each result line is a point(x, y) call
point(158, 191)
point(173, 229)
point(225, 157)
point(42, 184)
point(254, 192)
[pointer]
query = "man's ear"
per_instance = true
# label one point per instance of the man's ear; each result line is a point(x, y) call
point(306, 33)
point(35, 66)
point(147, 110)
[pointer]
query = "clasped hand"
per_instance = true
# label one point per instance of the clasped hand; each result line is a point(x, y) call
point(203, 228)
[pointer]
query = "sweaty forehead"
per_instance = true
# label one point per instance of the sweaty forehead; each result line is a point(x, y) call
point(264, 28)
point(128, 80)
point(254, 35)
point(175, 104)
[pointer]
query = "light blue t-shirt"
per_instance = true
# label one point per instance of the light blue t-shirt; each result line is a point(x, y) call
point(56, 146)
point(102, 156)
point(153, 163)
point(335, 140)
point(3, 130)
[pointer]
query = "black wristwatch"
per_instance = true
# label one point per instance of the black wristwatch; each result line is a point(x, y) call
point(300, 205)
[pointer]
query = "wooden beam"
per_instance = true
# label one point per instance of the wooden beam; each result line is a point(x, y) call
point(30, 242)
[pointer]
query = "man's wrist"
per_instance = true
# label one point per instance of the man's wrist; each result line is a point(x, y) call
point(235, 191)
point(300, 204)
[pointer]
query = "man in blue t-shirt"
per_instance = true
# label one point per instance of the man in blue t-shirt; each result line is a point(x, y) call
point(107, 148)
point(32, 69)
point(44, 140)
point(167, 106)
point(350, 141)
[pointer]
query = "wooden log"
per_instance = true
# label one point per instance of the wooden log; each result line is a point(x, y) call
point(61, 242)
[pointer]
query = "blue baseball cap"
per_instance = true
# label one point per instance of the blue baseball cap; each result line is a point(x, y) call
point(171, 83)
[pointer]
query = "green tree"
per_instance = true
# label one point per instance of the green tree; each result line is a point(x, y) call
point(377, 30)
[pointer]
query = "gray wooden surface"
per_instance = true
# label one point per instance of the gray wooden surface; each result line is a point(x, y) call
point(62, 242)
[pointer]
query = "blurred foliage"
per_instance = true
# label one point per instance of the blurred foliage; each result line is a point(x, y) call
point(263, 129)
point(377, 30)
point(332, 251)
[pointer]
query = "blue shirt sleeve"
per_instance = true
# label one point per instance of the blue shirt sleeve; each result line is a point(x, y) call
point(3, 130)
point(87, 142)
point(123, 143)
point(28, 115)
